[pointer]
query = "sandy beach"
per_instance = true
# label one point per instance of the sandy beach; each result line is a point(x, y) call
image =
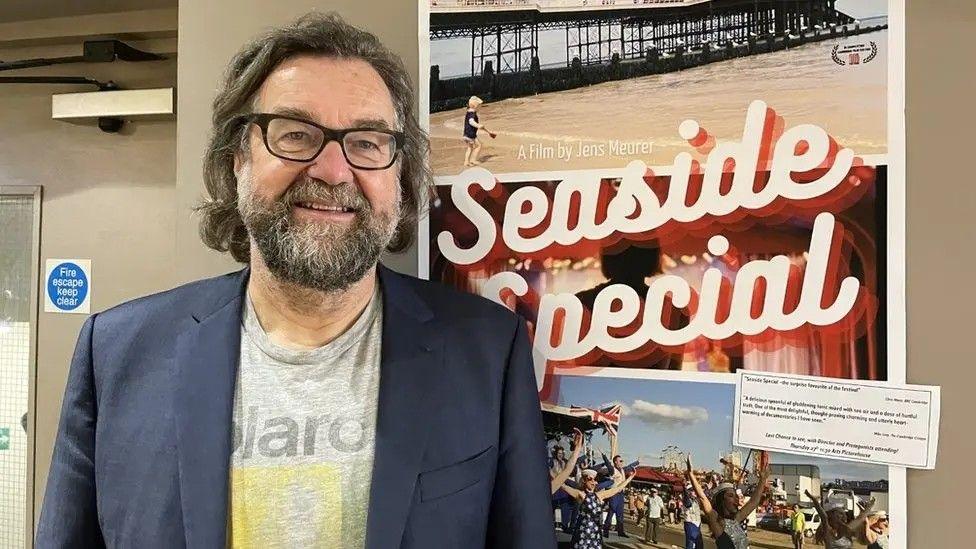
point(608, 125)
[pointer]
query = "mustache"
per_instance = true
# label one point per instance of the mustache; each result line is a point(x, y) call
point(308, 189)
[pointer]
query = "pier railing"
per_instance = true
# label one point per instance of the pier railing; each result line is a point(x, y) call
point(552, 5)
point(452, 93)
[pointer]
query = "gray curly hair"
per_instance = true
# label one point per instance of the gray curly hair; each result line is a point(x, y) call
point(221, 226)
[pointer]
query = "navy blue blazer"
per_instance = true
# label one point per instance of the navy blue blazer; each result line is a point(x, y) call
point(143, 448)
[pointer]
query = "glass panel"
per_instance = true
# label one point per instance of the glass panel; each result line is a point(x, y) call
point(16, 269)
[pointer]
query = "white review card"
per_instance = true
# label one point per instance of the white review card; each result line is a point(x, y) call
point(866, 421)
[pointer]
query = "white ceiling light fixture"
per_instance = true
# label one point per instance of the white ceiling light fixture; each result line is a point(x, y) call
point(109, 108)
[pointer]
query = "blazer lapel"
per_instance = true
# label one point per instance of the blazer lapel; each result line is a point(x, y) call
point(410, 359)
point(207, 357)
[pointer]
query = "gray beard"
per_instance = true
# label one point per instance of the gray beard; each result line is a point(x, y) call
point(324, 257)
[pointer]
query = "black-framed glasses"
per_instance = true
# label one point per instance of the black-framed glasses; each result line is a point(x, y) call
point(301, 140)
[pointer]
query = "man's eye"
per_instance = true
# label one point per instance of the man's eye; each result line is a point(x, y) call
point(295, 136)
point(366, 145)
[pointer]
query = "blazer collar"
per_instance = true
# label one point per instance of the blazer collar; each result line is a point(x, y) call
point(219, 292)
point(214, 294)
point(207, 357)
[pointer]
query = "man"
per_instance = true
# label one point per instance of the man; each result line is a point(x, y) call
point(798, 523)
point(615, 502)
point(616, 473)
point(312, 399)
point(692, 513)
point(655, 513)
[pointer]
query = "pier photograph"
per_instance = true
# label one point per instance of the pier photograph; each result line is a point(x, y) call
point(523, 86)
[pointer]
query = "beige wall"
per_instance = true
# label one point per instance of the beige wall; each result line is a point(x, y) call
point(123, 201)
point(205, 52)
point(941, 265)
point(106, 197)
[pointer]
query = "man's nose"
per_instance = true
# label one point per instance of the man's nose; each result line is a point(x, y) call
point(330, 166)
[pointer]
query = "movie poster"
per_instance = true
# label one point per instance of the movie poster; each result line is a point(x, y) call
point(670, 191)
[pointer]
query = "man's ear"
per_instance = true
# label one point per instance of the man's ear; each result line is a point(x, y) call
point(237, 164)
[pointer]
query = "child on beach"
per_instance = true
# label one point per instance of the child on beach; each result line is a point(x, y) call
point(470, 132)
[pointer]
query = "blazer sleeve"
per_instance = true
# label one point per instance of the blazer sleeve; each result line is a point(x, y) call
point(521, 510)
point(69, 517)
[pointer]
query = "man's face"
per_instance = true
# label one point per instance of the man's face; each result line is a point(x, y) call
point(286, 204)
point(618, 463)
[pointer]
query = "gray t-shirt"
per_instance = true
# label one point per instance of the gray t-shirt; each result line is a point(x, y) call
point(304, 437)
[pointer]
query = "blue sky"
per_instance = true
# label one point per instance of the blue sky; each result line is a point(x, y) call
point(695, 416)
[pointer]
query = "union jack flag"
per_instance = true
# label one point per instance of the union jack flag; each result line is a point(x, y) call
point(608, 418)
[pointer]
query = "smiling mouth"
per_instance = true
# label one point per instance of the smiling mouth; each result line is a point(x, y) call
point(325, 207)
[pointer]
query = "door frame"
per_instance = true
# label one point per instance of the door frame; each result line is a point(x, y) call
point(36, 193)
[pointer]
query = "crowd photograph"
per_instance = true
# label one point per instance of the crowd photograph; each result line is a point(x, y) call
point(637, 463)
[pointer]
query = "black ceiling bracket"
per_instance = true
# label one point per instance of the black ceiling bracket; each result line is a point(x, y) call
point(106, 51)
point(81, 80)
point(94, 51)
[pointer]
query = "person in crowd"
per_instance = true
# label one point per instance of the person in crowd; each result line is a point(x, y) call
point(470, 132)
point(723, 514)
point(616, 502)
point(692, 519)
point(837, 530)
point(655, 516)
point(876, 530)
point(560, 471)
point(587, 531)
point(639, 504)
point(797, 525)
point(673, 510)
point(557, 460)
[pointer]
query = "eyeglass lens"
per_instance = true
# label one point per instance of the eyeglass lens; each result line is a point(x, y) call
point(300, 141)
